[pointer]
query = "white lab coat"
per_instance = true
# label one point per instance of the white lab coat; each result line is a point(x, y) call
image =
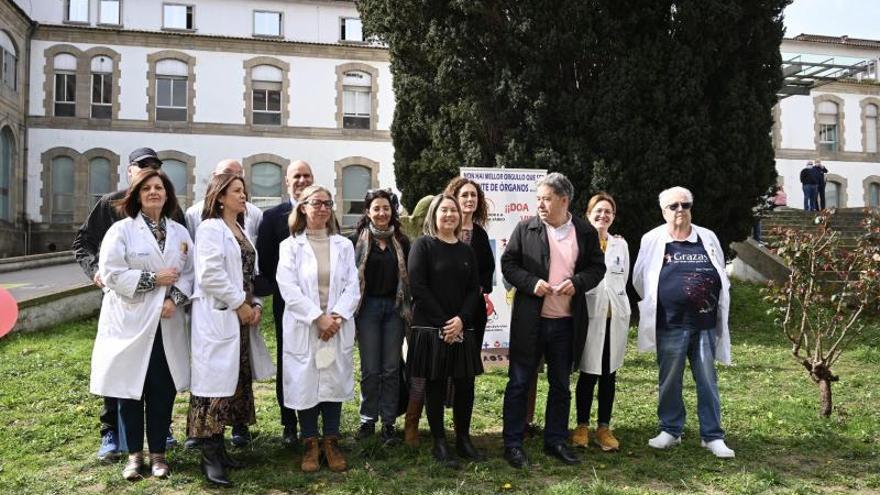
point(252, 218)
point(304, 384)
point(611, 292)
point(215, 326)
point(129, 320)
point(646, 278)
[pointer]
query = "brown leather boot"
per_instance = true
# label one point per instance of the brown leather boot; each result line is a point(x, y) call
point(411, 422)
point(311, 461)
point(335, 459)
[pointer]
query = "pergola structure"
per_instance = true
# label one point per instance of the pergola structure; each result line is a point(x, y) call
point(801, 76)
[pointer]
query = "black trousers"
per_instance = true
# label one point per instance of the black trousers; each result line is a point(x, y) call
point(158, 397)
point(288, 416)
point(109, 415)
point(586, 385)
point(462, 409)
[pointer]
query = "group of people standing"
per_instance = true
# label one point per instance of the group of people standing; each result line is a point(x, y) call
point(812, 178)
point(183, 305)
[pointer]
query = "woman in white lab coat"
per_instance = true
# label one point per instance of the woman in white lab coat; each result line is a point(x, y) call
point(228, 350)
point(141, 353)
point(318, 279)
point(608, 307)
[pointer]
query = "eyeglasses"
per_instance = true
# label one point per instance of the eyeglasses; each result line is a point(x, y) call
point(317, 203)
point(676, 206)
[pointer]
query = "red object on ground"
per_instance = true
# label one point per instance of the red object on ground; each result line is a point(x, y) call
point(8, 312)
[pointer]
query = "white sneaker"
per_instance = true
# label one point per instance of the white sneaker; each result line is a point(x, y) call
point(664, 441)
point(719, 449)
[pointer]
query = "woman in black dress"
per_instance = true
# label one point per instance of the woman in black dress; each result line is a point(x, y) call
point(444, 281)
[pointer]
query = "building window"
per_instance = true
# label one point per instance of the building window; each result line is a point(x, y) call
point(356, 100)
point(267, 186)
point(100, 176)
point(833, 192)
point(77, 11)
point(351, 29)
point(102, 87)
point(267, 23)
point(62, 190)
point(171, 88)
point(871, 128)
point(65, 85)
point(108, 12)
point(176, 16)
point(828, 126)
point(176, 171)
point(356, 180)
point(8, 61)
point(874, 195)
point(266, 97)
point(7, 143)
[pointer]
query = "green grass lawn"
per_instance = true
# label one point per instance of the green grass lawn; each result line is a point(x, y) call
point(49, 435)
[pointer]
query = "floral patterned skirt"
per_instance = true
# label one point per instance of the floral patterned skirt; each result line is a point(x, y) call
point(210, 415)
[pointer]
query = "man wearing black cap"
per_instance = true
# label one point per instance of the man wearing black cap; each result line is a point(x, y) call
point(86, 246)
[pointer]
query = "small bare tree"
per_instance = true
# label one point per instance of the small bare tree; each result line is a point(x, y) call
point(830, 288)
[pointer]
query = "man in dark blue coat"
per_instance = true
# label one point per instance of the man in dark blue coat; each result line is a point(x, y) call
point(273, 230)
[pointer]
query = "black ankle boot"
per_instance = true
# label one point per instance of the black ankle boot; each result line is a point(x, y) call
point(212, 462)
point(466, 449)
point(442, 454)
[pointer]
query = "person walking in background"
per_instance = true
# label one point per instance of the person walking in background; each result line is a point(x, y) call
point(609, 312)
point(86, 247)
point(445, 285)
point(552, 259)
point(141, 353)
point(273, 230)
point(228, 351)
point(381, 251)
point(819, 172)
point(318, 280)
point(808, 184)
point(679, 274)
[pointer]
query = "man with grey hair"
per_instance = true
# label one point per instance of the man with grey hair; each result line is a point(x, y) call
point(273, 230)
point(252, 217)
point(679, 274)
point(552, 260)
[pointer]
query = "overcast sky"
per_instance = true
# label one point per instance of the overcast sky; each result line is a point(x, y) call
point(856, 18)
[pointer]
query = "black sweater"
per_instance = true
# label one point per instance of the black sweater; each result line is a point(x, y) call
point(444, 282)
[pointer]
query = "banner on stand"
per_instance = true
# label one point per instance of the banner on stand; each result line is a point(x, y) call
point(510, 198)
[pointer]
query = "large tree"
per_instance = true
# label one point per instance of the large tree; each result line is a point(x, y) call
point(629, 96)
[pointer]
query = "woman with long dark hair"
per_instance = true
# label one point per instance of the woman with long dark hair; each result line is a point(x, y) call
point(228, 350)
point(381, 250)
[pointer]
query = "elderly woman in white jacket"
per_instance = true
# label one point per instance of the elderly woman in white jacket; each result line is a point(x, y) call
point(318, 279)
point(228, 352)
point(608, 307)
point(679, 274)
point(141, 353)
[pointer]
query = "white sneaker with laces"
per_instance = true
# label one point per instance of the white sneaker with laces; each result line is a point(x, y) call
point(664, 441)
point(719, 449)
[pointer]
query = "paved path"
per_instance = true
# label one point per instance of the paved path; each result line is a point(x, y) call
point(37, 282)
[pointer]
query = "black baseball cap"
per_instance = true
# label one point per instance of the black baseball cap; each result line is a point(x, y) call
point(145, 155)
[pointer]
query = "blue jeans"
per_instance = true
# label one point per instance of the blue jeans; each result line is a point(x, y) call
point(554, 341)
point(380, 336)
point(674, 345)
point(811, 196)
point(331, 413)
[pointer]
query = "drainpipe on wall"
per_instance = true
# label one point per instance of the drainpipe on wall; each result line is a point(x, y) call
point(24, 149)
